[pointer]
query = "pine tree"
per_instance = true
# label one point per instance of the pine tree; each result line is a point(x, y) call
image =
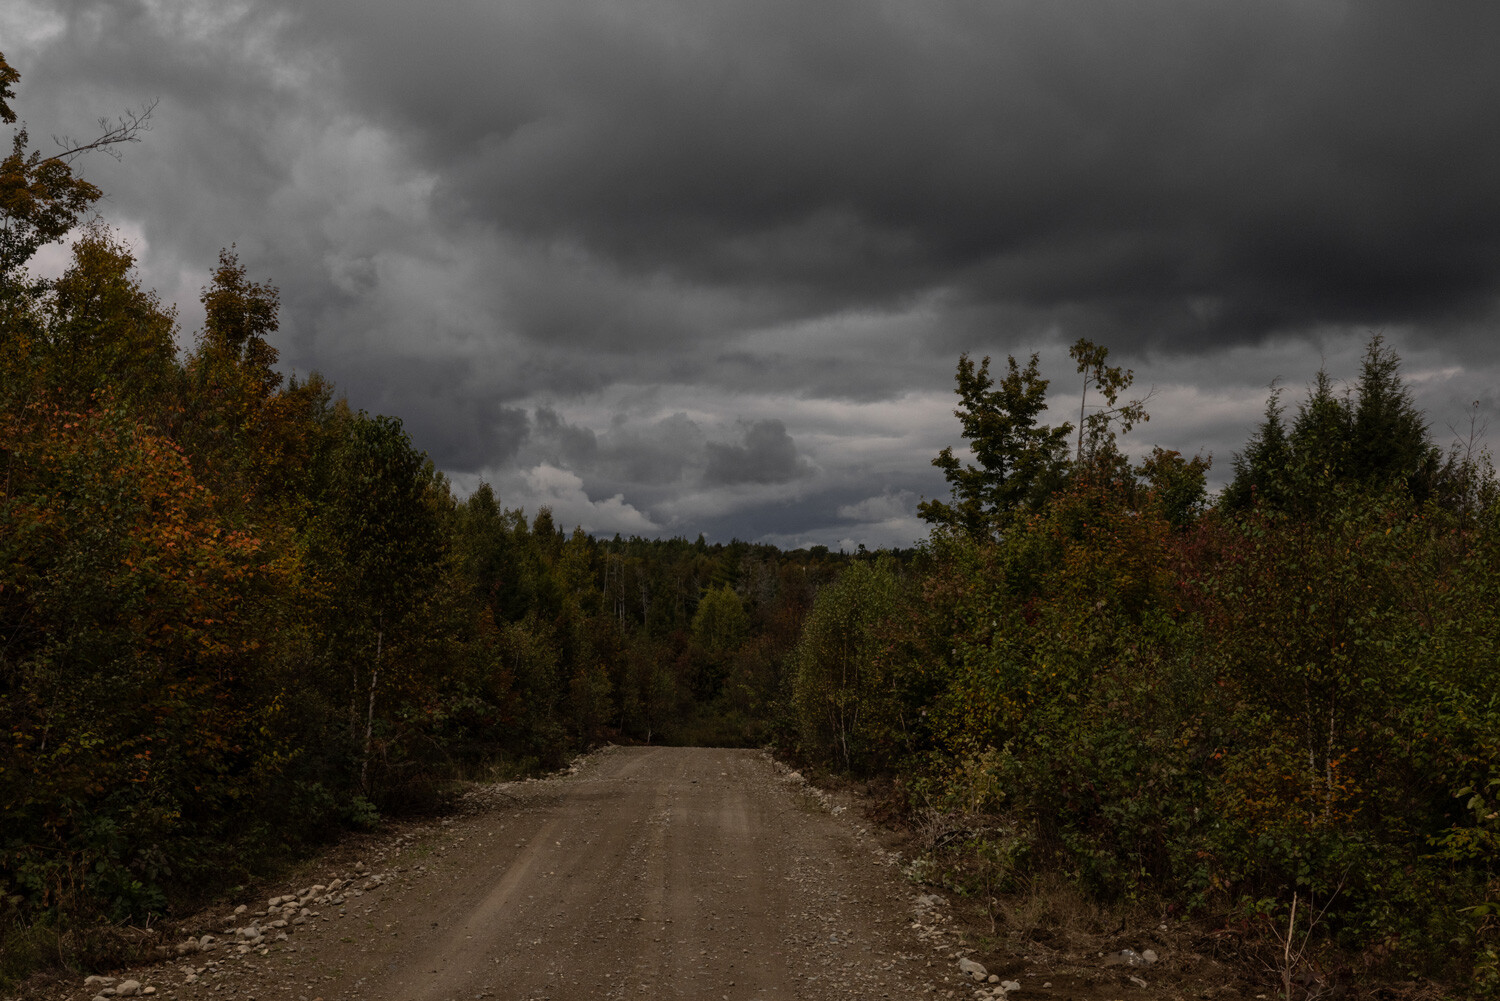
point(1260, 470)
point(1389, 442)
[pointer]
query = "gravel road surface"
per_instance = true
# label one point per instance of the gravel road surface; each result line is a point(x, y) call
point(649, 873)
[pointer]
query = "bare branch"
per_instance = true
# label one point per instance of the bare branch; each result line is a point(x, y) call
point(125, 129)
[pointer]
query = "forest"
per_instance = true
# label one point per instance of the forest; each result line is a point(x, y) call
point(238, 617)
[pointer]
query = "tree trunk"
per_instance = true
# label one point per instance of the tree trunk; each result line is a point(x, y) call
point(364, 765)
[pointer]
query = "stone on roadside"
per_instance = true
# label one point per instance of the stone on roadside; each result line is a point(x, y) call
point(972, 969)
point(128, 989)
point(97, 981)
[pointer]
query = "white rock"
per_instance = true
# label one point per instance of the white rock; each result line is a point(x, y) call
point(1149, 955)
point(970, 968)
point(128, 989)
point(241, 909)
point(1137, 981)
point(99, 981)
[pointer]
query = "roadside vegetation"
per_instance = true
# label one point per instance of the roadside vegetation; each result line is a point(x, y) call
point(1278, 715)
point(238, 617)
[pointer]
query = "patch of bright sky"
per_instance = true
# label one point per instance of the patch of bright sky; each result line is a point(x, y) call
point(29, 25)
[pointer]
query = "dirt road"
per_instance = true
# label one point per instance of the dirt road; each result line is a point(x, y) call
point(651, 873)
point(643, 873)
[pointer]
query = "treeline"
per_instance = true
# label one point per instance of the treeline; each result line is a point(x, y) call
point(237, 615)
point(1292, 697)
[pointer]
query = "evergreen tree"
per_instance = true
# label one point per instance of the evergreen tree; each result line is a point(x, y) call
point(1020, 460)
point(1260, 470)
point(1389, 442)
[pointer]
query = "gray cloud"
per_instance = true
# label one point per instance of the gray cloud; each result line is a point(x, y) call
point(649, 250)
point(1174, 169)
point(768, 455)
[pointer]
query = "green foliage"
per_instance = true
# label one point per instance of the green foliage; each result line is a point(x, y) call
point(720, 623)
point(103, 333)
point(848, 704)
point(1097, 431)
point(41, 198)
point(1019, 460)
point(1291, 698)
point(1373, 438)
point(1175, 487)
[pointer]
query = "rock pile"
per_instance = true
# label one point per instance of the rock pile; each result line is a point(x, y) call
point(273, 924)
point(930, 919)
point(995, 987)
point(824, 800)
point(109, 987)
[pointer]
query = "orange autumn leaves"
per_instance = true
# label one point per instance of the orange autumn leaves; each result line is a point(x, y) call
point(101, 495)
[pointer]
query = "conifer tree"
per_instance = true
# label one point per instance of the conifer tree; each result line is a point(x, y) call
point(1260, 470)
point(1020, 460)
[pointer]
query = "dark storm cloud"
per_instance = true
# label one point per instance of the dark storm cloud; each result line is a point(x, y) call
point(1169, 169)
point(768, 455)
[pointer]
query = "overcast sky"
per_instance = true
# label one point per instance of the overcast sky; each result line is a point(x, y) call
point(673, 266)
